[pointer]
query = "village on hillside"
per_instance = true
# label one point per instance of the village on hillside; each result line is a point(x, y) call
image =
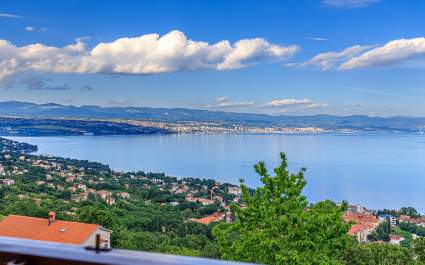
point(35, 178)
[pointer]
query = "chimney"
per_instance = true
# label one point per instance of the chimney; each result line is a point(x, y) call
point(52, 217)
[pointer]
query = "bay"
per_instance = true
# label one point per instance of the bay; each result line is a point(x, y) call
point(375, 170)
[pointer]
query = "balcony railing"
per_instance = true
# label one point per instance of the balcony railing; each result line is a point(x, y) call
point(23, 251)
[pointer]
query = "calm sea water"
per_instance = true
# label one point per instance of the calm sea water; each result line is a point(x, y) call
point(385, 170)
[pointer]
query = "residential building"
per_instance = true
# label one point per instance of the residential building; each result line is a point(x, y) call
point(215, 217)
point(396, 239)
point(54, 230)
point(364, 225)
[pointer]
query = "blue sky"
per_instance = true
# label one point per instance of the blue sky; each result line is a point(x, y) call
point(281, 57)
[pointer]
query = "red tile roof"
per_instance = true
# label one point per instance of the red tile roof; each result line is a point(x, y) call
point(39, 229)
point(209, 219)
point(360, 218)
point(356, 228)
point(361, 222)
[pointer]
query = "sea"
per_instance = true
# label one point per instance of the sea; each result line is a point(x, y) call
point(377, 170)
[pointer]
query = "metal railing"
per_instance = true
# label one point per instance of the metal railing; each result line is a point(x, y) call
point(24, 251)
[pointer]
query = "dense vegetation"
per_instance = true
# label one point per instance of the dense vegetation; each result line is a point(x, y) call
point(278, 227)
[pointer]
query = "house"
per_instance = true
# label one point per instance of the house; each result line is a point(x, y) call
point(8, 182)
point(70, 179)
point(104, 194)
point(215, 217)
point(124, 195)
point(364, 224)
point(418, 221)
point(54, 230)
point(361, 231)
point(110, 201)
point(404, 219)
point(396, 239)
point(203, 201)
point(40, 182)
point(389, 217)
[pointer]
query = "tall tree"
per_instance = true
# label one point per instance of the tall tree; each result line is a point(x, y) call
point(278, 227)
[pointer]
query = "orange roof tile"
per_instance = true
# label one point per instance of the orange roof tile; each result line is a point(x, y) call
point(356, 228)
point(360, 218)
point(209, 219)
point(39, 229)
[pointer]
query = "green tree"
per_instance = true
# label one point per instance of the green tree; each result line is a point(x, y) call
point(382, 232)
point(277, 227)
point(419, 249)
point(410, 211)
point(93, 215)
point(379, 254)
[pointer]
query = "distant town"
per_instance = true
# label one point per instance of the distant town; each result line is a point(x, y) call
point(30, 119)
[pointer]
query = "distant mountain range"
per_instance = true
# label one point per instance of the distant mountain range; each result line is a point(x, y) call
point(357, 122)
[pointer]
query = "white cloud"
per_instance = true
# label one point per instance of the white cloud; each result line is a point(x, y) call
point(317, 38)
point(236, 104)
point(404, 52)
point(288, 102)
point(348, 3)
point(329, 60)
point(6, 15)
point(223, 102)
point(291, 104)
point(147, 54)
point(314, 106)
point(29, 28)
point(393, 52)
point(221, 99)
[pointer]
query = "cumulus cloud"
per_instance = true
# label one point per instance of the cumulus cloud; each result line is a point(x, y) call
point(348, 3)
point(393, 52)
point(295, 104)
point(236, 104)
point(221, 99)
point(288, 102)
point(314, 106)
point(223, 102)
point(7, 15)
point(404, 52)
point(147, 54)
point(329, 60)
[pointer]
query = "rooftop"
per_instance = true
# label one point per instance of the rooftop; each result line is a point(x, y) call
point(40, 229)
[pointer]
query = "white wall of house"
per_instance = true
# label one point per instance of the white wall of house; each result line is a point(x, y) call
point(105, 238)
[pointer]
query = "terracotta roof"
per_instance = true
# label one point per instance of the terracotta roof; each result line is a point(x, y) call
point(357, 228)
point(39, 229)
point(395, 237)
point(209, 219)
point(360, 218)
